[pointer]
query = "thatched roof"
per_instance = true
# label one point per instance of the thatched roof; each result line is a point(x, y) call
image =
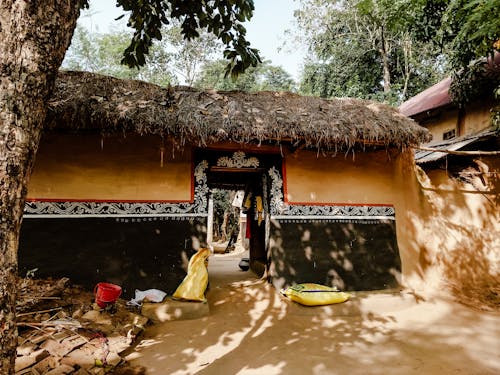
point(87, 101)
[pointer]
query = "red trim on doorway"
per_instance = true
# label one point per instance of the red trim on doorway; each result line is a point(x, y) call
point(283, 172)
point(192, 175)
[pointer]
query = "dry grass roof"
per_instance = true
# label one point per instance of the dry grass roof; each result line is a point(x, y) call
point(87, 101)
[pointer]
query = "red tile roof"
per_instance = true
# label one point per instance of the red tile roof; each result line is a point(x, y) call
point(434, 97)
point(438, 95)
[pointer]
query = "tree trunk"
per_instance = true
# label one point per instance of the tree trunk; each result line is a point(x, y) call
point(34, 36)
point(407, 54)
point(384, 52)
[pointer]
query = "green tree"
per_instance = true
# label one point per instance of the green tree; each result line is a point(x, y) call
point(364, 48)
point(263, 77)
point(470, 31)
point(188, 56)
point(102, 53)
point(34, 38)
point(223, 18)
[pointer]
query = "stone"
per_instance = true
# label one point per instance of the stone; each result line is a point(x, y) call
point(172, 309)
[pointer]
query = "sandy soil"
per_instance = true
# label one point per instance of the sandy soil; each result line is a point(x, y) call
point(252, 329)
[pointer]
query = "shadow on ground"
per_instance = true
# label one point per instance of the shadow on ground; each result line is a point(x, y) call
point(252, 329)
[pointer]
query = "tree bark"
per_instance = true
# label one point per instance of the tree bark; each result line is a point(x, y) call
point(384, 52)
point(34, 36)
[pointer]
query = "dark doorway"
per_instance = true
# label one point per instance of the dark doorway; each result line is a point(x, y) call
point(246, 174)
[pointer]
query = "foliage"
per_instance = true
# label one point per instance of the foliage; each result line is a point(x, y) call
point(222, 18)
point(263, 77)
point(101, 53)
point(168, 60)
point(188, 56)
point(470, 30)
point(364, 48)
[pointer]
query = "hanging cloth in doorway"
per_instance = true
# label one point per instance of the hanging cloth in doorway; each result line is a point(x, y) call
point(259, 210)
point(247, 201)
point(248, 230)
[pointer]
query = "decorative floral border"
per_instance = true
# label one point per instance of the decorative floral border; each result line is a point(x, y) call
point(238, 160)
point(282, 210)
point(199, 207)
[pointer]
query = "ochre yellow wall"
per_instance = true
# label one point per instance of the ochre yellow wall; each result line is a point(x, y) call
point(382, 177)
point(448, 230)
point(477, 118)
point(446, 122)
point(366, 179)
point(76, 167)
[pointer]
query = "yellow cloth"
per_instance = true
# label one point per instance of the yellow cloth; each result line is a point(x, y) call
point(260, 209)
point(195, 283)
point(315, 294)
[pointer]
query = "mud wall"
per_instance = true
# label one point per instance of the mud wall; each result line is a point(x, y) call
point(350, 254)
point(452, 228)
point(136, 253)
point(339, 227)
point(478, 116)
point(88, 167)
point(113, 209)
point(359, 178)
point(474, 118)
point(447, 120)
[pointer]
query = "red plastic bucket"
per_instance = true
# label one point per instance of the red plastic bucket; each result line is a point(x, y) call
point(106, 294)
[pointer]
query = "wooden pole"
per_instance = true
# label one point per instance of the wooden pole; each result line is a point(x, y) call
point(463, 153)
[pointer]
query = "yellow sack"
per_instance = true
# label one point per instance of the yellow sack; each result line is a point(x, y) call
point(315, 294)
point(195, 283)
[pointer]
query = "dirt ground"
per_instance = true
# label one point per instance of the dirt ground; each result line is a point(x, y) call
point(252, 329)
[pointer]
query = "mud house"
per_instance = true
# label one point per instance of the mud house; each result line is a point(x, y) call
point(457, 208)
point(121, 186)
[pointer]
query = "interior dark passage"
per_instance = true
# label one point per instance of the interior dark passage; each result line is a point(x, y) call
point(236, 174)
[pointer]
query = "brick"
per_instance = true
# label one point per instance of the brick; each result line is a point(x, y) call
point(55, 348)
point(98, 371)
point(113, 359)
point(46, 365)
point(59, 336)
point(74, 342)
point(118, 344)
point(41, 338)
point(26, 349)
point(82, 357)
point(61, 370)
point(28, 371)
point(29, 360)
point(81, 371)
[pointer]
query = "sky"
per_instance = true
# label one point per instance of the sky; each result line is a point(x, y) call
point(266, 30)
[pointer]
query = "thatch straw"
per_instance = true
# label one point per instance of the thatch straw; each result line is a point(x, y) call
point(87, 101)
